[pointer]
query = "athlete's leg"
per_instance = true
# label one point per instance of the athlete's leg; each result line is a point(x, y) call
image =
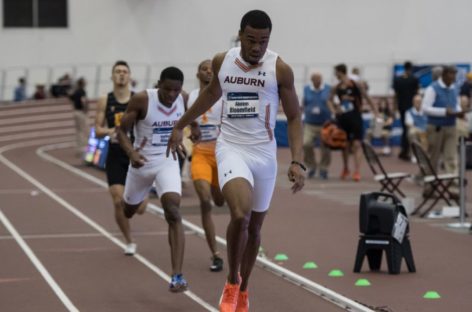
point(252, 247)
point(217, 196)
point(238, 195)
point(264, 184)
point(345, 156)
point(357, 153)
point(203, 189)
point(116, 192)
point(171, 203)
point(137, 186)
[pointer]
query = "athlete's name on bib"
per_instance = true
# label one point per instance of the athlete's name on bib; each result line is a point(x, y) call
point(164, 123)
point(242, 104)
point(242, 109)
point(245, 81)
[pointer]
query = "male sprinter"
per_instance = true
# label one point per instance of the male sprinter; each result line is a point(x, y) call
point(251, 81)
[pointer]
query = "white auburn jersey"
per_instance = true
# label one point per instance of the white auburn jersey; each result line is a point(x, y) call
point(250, 98)
point(157, 126)
point(210, 121)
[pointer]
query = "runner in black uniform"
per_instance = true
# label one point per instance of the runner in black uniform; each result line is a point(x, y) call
point(349, 116)
point(110, 109)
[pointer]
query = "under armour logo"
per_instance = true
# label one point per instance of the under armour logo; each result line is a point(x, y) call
point(262, 73)
point(227, 173)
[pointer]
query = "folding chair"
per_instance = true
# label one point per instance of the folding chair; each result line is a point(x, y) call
point(389, 181)
point(439, 183)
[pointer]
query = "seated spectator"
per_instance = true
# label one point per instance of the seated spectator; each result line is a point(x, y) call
point(40, 93)
point(62, 87)
point(382, 127)
point(416, 121)
point(20, 90)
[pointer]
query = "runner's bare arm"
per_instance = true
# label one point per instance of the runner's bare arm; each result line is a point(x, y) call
point(206, 99)
point(332, 107)
point(101, 129)
point(291, 109)
point(364, 94)
point(135, 111)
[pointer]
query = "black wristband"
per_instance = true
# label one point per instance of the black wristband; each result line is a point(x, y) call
point(294, 162)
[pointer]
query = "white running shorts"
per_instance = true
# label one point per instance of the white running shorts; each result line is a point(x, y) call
point(158, 168)
point(255, 163)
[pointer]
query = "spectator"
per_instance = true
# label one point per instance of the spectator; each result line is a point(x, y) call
point(416, 122)
point(79, 100)
point(134, 85)
point(442, 106)
point(40, 93)
point(464, 123)
point(62, 87)
point(20, 90)
point(406, 87)
point(436, 73)
point(382, 126)
point(317, 112)
point(355, 74)
point(466, 88)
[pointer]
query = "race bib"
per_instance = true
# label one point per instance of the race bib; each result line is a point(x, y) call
point(160, 136)
point(316, 110)
point(242, 105)
point(347, 106)
point(209, 132)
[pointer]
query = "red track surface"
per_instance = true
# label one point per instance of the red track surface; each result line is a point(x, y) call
point(65, 226)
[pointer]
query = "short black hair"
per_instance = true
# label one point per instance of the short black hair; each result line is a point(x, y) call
point(408, 65)
point(256, 19)
point(172, 73)
point(341, 68)
point(118, 63)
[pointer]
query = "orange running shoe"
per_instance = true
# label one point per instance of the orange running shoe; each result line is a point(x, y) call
point(345, 174)
point(243, 302)
point(356, 176)
point(229, 298)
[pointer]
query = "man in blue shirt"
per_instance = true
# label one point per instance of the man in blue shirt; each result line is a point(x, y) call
point(315, 98)
point(20, 91)
point(442, 106)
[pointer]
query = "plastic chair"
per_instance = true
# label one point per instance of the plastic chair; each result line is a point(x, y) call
point(389, 181)
point(438, 184)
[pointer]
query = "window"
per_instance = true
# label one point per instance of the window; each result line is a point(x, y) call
point(35, 13)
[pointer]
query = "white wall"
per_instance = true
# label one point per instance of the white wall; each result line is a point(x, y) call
point(309, 34)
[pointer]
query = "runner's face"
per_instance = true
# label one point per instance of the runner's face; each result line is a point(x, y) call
point(120, 75)
point(169, 90)
point(254, 43)
point(205, 73)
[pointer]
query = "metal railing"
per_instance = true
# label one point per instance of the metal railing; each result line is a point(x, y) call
point(378, 75)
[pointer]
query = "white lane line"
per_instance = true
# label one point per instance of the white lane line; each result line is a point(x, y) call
point(89, 221)
point(294, 278)
point(87, 235)
point(39, 266)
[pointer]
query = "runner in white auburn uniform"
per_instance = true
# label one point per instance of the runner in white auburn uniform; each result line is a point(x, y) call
point(250, 79)
point(153, 113)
